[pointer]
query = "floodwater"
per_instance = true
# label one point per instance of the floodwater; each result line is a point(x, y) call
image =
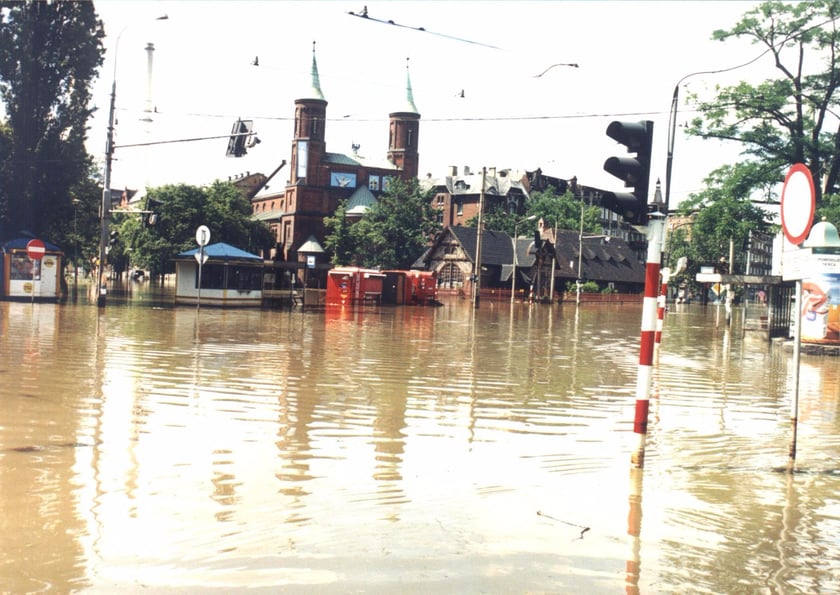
point(407, 450)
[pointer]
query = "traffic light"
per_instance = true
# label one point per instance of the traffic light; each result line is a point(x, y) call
point(152, 207)
point(633, 171)
point(241, 138)
point(113, 239)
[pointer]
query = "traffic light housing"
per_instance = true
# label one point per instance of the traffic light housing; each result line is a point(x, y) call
point(151, 216)
point(633, 171)
point(240, 138)
point(112, 240)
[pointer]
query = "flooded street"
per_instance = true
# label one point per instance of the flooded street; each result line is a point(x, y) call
point(407, 450)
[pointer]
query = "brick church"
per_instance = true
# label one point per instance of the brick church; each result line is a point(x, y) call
point(320, 180)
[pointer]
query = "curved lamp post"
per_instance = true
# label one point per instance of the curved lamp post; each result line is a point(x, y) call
point(105, 207)
point(515, 235)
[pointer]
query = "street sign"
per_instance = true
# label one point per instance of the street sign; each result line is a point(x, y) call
point(202, 235)
point(798, 203)
point(201, 256)
point(35, 249)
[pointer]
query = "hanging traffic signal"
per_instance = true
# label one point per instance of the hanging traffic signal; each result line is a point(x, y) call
point(151, 214)
point(633, 171)
point(241, 138)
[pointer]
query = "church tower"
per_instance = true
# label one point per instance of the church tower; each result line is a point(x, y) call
point(404, 134)
point(308, 144)
point(306, 197)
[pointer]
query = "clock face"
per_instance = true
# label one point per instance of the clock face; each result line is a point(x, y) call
point(343, 180)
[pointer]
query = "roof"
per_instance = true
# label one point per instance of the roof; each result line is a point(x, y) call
point(601, 259)
point(340, 159)
point(20, 243)
point(496, 246)
point(221, 251)
point(311, 246)
point(502, 183)
point(360, 201)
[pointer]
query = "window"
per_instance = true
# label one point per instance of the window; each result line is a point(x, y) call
point(239, 277)
point(373, 183)
point(302, 158)
point(450, 277)
point(460, 205)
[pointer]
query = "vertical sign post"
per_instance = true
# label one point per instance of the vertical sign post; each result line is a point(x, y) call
point(797, 209)
point(202, 237)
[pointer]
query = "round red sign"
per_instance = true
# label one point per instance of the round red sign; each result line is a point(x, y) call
point(798, 204)
point(35, 249)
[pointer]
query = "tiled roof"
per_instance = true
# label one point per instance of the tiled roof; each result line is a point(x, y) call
point(602, 260)
point(496, 247)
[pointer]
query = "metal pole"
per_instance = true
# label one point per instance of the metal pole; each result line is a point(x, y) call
point(580, 253)
point(75, 202)
point(105, 207)
point(515, 254)
point(477, 265)
point(794, 405)
point(553, 264)
point(513, 284)
point(643, 380)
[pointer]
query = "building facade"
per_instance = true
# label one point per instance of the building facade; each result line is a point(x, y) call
point(319, 180)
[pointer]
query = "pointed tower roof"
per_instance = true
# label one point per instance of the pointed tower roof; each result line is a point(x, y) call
point(315, 91)
point(409, 106)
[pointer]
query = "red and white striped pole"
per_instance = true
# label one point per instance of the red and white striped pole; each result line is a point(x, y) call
point(661, 304)
point(643, 380)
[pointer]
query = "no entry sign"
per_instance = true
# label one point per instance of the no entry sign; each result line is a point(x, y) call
point(798, 198)
point(35, 249)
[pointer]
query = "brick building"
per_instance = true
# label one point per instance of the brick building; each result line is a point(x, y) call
point(320, 180)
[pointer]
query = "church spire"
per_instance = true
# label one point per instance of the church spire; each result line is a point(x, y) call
point(316, 80)
point(409, 94)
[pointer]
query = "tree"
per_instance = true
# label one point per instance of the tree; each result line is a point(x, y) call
point(180, 210)
point(722, 219)
point(339, 240)
point(562, 211)
point(783, 121)
point(50, 53)
point(392, 234)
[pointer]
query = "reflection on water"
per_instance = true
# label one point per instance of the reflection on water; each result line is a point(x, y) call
point(406, 450)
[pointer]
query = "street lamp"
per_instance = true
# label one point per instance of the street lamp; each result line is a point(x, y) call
point(515, 257)
point(105, 207)
point(580, 252)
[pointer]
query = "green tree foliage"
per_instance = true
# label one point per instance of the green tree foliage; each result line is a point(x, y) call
point(339, 240)
point(49, 54)
point(562, 211)
point(180, 210)
point(783, 121)
point(722, 215)
point(392, 234)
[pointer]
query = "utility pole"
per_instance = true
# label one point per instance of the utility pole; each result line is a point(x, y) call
point(477, 265)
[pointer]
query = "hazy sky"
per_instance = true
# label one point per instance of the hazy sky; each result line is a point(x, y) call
point(631, 56)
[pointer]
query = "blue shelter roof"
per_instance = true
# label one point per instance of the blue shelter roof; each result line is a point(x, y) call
point(21, 242)
point(221, 251)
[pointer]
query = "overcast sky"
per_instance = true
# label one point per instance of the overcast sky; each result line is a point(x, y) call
point(630, 54)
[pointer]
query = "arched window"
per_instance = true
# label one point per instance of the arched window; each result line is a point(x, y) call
point(450, 277)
